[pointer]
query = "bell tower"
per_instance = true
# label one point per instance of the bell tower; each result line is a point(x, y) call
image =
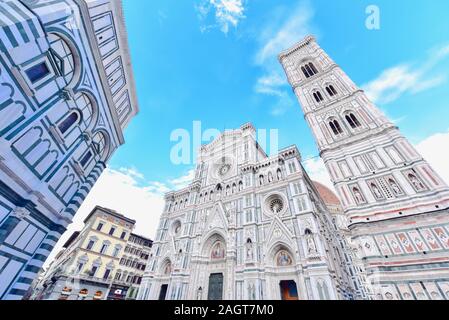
point(397, 206)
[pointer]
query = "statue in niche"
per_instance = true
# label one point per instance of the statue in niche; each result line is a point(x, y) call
point(167, 269)
point(270, 177)
point(376, 191)
point(252, 292)
point(311, 246)
point(358, 195)
point(435, 296)
point(178, 259)
point(407, 296)
point(394, 186)
point(279, 174)
point(416, 183)
point(249, 250)
point(199, 294)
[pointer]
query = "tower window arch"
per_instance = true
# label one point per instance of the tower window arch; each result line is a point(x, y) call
point(318, 96)
point(335, 126)
point(353, 121)
point(309, 70)
point(331, 90)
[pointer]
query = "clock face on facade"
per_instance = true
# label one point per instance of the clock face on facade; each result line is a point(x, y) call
point(224, 169)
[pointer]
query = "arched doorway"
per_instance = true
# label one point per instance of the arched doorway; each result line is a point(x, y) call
point(166, 272)
point(213, 269)
point(284, 283)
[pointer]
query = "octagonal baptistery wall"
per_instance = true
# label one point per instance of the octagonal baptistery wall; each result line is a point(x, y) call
point(66, 95)
point(249, 226)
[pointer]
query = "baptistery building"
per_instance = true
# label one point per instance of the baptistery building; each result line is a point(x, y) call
point(66, 97)
point(249, 226)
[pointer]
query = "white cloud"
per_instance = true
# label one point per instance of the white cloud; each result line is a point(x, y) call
point(280, 33)
point(182, 182)
point(227, 13)
point(317, 171)
point(434, 150)
point(132, 172)
point(404, 78)
point(278, 38)
point(271, 84)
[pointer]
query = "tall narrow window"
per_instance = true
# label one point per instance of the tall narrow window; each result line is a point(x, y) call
point(68, 122)
point(111, 232)
point(353, 121)
point(85, 159)
point(336, 128)
point(311, 65)
point(37, 72)
point(104, 248)
point(305, 72)
point(106, 274)
point(90, 245)
point(79, 267)
point(100, 226)
point(93, 271)
point(318, 96)
point(331, 90)
point(356, 121)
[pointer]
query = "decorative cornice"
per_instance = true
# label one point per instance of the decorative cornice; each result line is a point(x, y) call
point(306, 41)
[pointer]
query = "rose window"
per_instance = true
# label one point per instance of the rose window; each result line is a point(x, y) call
point(276, 205)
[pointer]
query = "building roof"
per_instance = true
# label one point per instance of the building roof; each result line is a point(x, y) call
point(141, 237)
point(111, 212)
point(329, 197)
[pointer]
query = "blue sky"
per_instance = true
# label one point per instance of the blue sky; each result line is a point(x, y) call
point(215, 61)
point(188, 68)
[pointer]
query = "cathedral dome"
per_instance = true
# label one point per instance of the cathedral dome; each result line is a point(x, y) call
point(329, 197)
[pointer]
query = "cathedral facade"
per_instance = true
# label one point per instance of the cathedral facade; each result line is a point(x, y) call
point(249, 226)
point(395, 204)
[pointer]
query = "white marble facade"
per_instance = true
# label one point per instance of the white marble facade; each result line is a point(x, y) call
point(396, 205)
point(249, 226)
